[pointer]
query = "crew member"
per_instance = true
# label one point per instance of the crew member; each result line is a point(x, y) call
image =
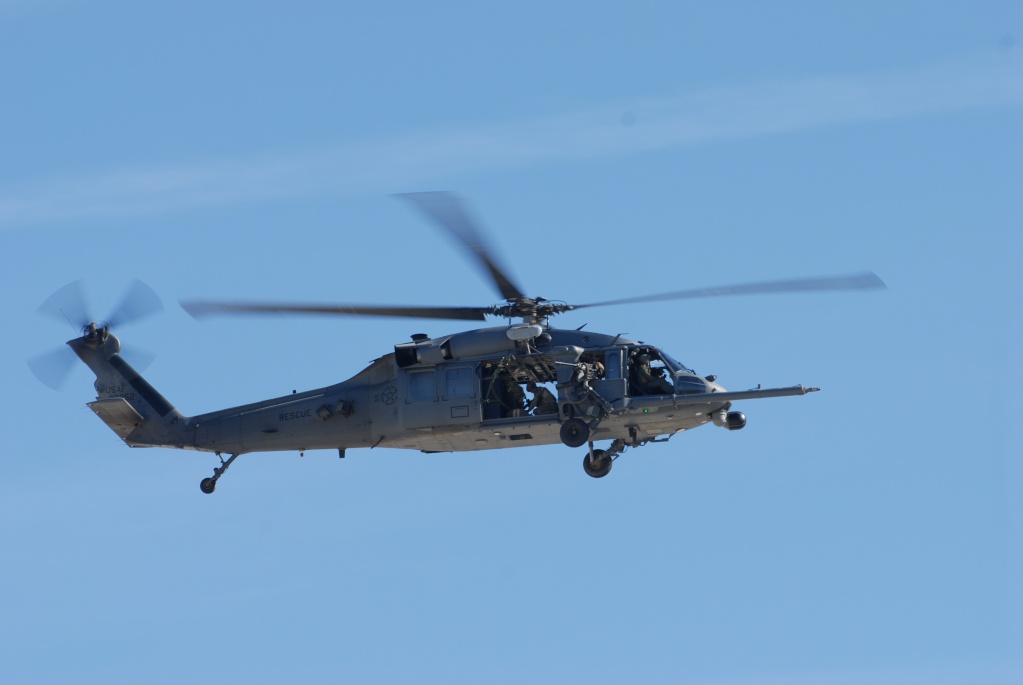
point(514, 397)
point(650, 383)
point(543, 401)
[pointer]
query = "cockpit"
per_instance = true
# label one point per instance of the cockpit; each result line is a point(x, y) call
point(653, 372)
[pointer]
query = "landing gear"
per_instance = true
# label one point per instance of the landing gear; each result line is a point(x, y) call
point(575, 433)
point(597, 463)
point(208, 485)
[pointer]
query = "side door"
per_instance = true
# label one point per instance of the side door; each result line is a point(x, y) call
point(420, 407)
point(460, 394)
point(444, 395)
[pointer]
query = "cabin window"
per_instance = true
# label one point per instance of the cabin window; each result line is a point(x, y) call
point(613, 368)
point(422, 386)
point(458, 382)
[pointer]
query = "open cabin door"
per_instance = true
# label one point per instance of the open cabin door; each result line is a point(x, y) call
point(444, 395)
point(613, 386)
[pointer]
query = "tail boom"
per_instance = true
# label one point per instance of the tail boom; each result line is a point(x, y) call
point(125, 401)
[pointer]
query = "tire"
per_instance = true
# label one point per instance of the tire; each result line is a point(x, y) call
point(208, 485)
point(575, 433)
point(599, 467)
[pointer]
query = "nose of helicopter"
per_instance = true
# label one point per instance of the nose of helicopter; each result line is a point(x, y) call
point(692, 384)
point(713, 385)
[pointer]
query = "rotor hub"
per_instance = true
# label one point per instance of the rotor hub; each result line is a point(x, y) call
point(530, 310)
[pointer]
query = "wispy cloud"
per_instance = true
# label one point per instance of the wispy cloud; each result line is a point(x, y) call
point(619, 128)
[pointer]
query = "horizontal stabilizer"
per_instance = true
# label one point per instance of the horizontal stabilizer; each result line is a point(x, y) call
point(118, 414)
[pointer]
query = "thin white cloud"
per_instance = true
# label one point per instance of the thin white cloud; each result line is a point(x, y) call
point(621, 128)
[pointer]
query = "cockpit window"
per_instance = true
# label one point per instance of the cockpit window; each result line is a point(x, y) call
point(675, 364)
point(648, 373)
point(689, 385)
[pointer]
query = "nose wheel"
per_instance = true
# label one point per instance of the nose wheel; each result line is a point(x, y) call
point(208, 485)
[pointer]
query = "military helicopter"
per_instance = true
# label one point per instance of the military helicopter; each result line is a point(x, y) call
point(459, 392)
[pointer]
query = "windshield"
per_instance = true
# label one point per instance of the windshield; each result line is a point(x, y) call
point(675, 364)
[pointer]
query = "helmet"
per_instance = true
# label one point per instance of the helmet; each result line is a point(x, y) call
point(643, 359)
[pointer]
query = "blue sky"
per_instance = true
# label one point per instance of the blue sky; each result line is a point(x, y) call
point(867, 533)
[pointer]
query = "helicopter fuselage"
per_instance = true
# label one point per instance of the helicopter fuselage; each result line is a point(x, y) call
point(461, 392)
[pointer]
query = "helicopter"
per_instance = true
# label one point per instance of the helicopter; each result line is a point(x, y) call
point(464, 391)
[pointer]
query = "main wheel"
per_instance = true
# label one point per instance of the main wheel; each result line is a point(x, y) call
point(575, 433)
point(208, 485)
point(599, 467)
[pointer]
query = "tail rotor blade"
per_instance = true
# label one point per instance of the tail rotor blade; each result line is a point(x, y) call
point(139, 302)
point(67, 305)
point(139, 358)
point(53, 367)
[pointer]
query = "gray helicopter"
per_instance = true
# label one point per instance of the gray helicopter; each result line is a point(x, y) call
point(460, 392)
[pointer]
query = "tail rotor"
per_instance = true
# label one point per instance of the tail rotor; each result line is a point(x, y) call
point(70, 305)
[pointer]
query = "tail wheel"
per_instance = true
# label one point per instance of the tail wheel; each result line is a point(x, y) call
point(575, 433)
point(597, 466)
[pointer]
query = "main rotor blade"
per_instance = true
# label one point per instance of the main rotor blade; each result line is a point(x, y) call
point(446, 209)
point(860, 281)
point(139, 301)
point(200, 309)
point(67, 305)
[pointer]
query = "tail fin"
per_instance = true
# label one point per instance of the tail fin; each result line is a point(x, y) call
point(125, 401)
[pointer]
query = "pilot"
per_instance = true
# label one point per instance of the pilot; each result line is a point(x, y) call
point(543, 402)
point(651, 383)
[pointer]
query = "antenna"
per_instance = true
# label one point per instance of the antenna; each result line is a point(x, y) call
point(70, 322)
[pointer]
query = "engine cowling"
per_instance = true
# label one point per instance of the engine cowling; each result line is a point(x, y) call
point(467, 345)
